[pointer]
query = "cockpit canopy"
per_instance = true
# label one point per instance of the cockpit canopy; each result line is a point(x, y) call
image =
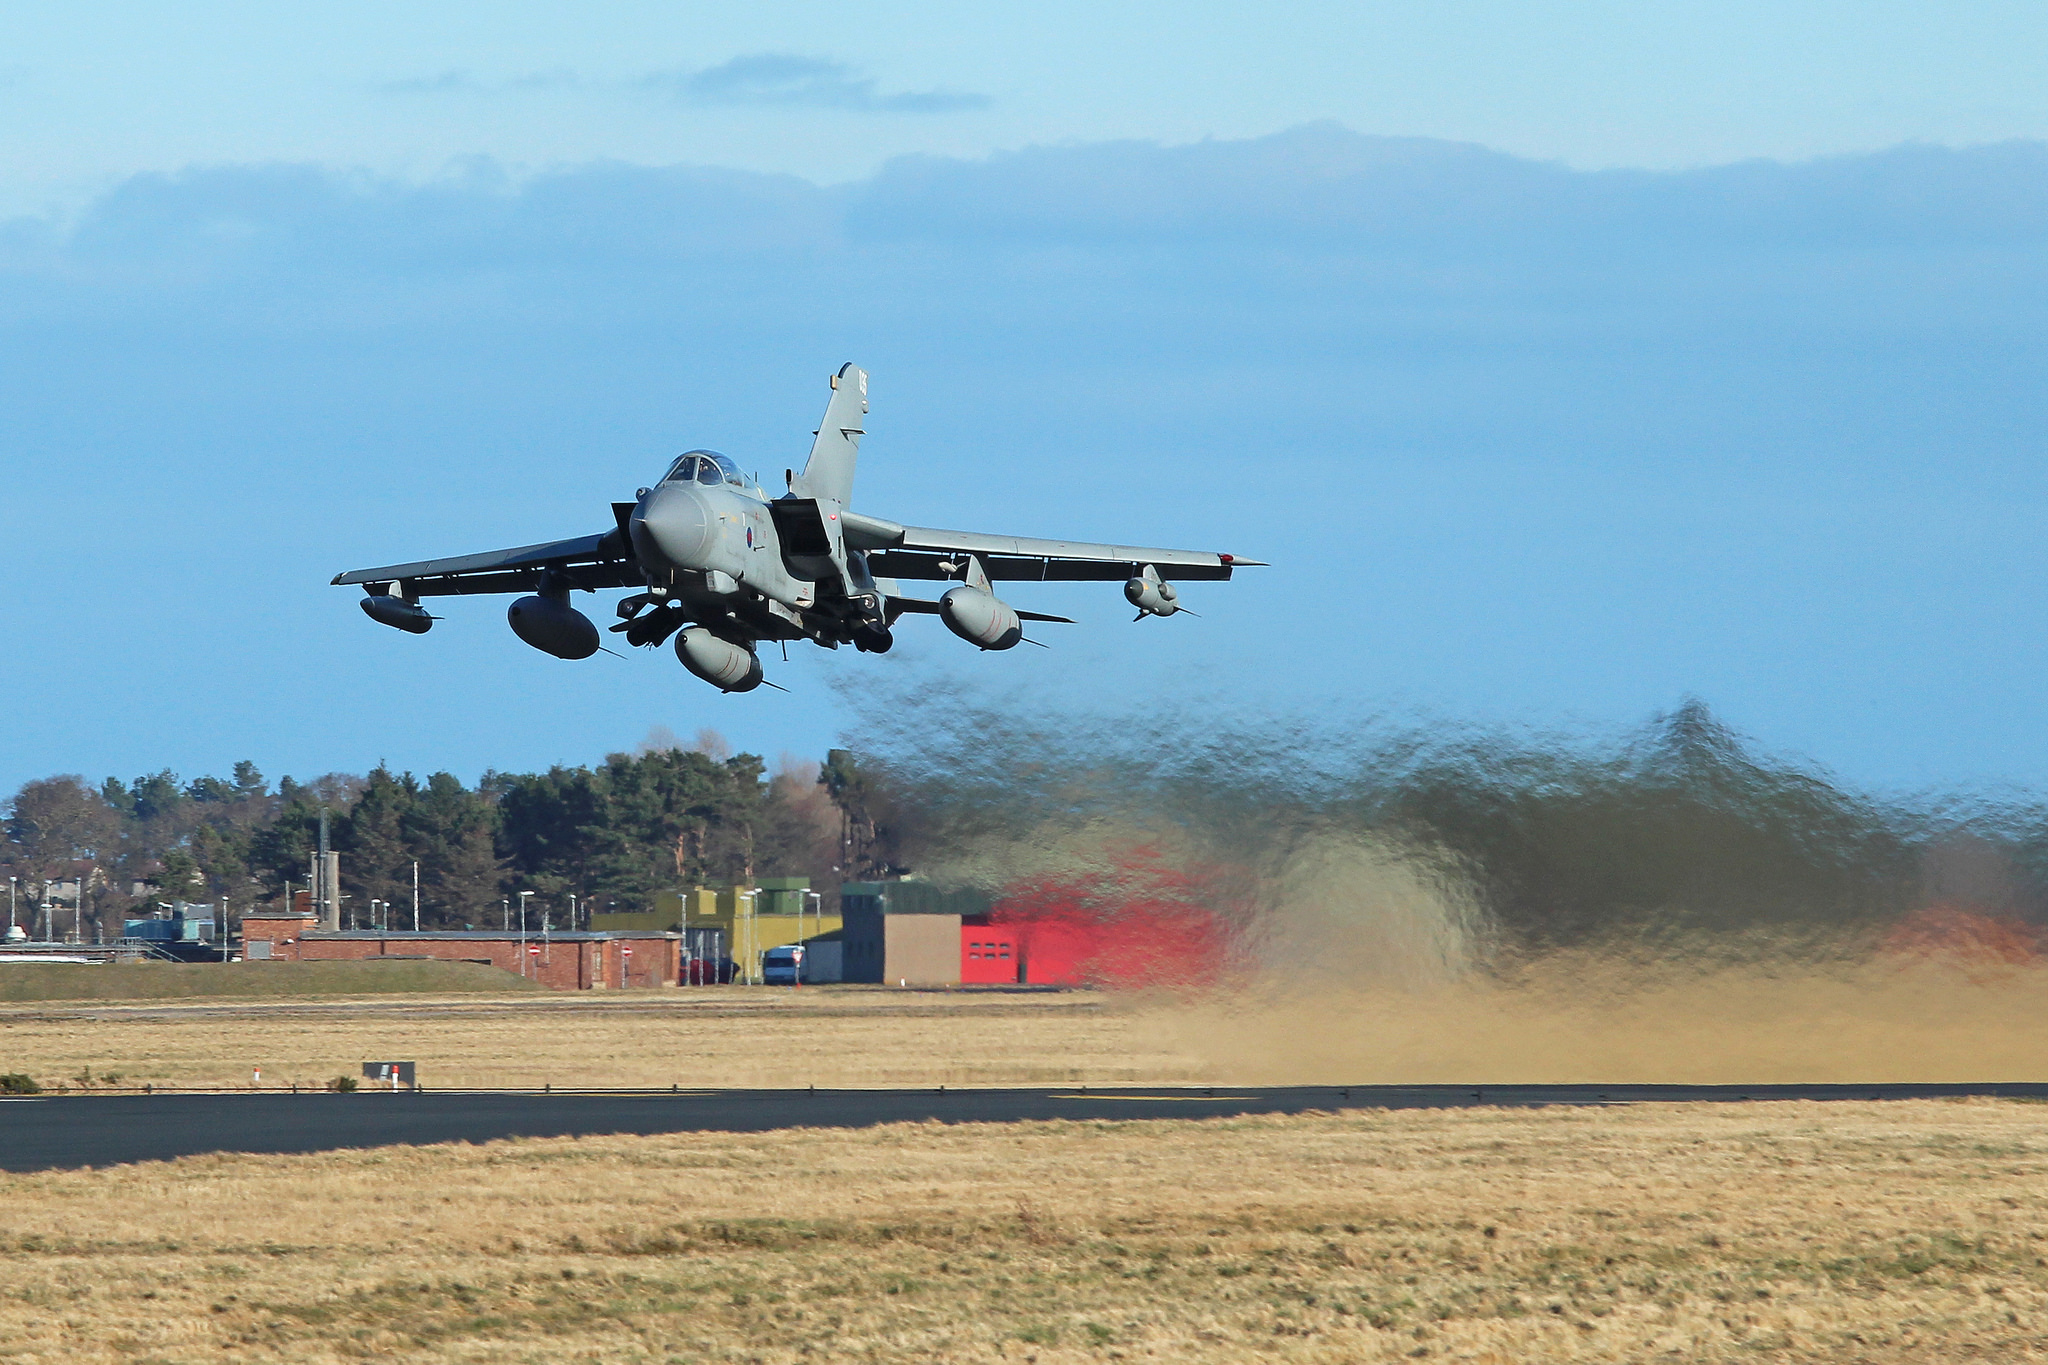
point(705, 466)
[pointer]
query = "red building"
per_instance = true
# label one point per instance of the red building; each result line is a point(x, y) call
point(1143, 923)
point(613, 960)
point(988, 953)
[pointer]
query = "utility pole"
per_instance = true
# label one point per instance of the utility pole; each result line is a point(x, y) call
point(10, 907)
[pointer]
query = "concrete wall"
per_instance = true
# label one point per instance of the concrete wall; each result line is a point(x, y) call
point(824, 962)
point(918, 950)
point(862, 958)
point(923, 950)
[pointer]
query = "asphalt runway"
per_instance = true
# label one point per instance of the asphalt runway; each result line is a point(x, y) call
point(67, 1132)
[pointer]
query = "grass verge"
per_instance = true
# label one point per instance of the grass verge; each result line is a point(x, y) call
point(1902, 1231)
point(248, 980)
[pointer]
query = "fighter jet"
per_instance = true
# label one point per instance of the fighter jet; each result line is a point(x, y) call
point(721, 566)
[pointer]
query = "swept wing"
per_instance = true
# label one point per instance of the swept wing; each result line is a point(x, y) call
point(924, 552)
point(599, 561)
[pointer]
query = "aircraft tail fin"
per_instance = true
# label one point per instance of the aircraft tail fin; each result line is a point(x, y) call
point(828, 476)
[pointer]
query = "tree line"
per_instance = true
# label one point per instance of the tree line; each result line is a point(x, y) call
point(612, 835)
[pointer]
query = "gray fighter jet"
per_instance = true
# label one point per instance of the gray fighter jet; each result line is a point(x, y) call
point(719, 565)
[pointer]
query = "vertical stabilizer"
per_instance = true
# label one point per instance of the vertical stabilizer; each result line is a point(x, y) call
point(828, 476)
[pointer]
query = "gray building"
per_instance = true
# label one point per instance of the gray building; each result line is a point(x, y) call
point(905, 932)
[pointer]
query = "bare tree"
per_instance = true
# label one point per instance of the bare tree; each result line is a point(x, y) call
point(57, 827)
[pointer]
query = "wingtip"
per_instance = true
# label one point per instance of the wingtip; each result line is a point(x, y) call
point(1240, 562)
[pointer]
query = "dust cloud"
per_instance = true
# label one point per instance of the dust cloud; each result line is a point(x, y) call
point(1366, 900)
point(1585, 1018)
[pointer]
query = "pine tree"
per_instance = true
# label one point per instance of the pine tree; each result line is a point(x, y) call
point(459, 869)
point(376, 844)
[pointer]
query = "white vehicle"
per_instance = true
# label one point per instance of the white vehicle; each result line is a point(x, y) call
point(783, 966)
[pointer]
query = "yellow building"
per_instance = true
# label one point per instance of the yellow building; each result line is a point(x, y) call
point(747, 919)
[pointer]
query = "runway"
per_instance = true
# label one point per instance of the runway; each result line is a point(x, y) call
point(68, 1132)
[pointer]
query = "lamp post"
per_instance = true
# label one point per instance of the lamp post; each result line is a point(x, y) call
point(522, 931)
point(10, 907)
point(817, 901)
point(752, 935)
point(415, 896)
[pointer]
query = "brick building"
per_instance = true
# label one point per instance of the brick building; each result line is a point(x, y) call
point(563, 961)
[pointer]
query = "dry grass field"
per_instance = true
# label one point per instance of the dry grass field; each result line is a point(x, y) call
point(1841, 1233)
point(1578, 1018)
point(1572, 1020)
point(723, 1036)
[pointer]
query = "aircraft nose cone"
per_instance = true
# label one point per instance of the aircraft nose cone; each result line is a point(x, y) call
point(673, 527)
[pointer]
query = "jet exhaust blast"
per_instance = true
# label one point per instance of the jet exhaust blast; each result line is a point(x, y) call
point(975, 614)
point(552, 626)
point(725, 665)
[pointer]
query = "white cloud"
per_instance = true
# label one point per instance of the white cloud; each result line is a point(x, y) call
point(815, 82)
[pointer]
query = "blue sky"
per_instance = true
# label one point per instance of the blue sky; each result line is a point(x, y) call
point(92, 92)
point(1565, 360)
